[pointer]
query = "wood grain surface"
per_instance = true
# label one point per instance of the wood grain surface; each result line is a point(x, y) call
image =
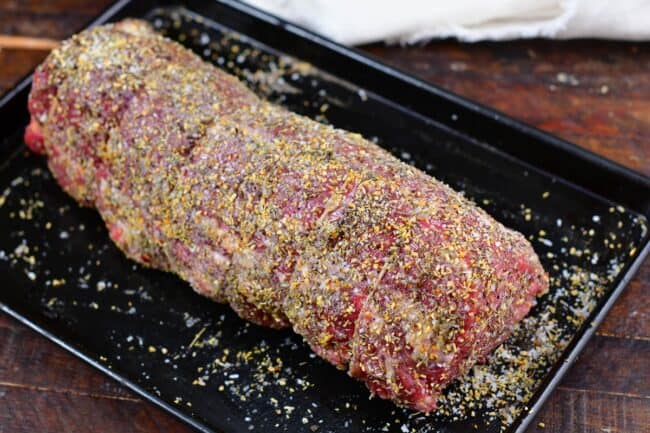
point(593, 93)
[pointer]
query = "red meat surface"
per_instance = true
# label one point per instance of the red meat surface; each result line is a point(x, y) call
point(386, 272)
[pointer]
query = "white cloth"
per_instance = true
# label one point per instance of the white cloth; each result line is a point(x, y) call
point(362, 21)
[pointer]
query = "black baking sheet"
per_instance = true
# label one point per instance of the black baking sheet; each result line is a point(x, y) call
point(585, 216)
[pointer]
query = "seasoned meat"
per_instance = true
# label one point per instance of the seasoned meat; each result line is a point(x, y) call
point(386, 272)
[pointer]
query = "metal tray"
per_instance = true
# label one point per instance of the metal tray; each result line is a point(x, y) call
point(586, 217)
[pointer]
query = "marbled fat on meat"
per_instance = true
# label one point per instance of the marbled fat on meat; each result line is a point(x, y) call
point(386, 272)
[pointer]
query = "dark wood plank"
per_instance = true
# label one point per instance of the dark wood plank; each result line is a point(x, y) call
point(630, 316)
point(58, 7)
point(612, 364)
point(54, 19)
point(28, 410)
point(26, 361)
point(42, 25)
point(576, 411)
point(593, 93)
point(16, 64)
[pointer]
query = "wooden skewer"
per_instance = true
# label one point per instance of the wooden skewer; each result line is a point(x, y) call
point(27, 43)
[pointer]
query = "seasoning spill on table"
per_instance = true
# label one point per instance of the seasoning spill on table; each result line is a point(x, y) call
point(270, 376)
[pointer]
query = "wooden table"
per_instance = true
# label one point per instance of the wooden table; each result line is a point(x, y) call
point(595, 94)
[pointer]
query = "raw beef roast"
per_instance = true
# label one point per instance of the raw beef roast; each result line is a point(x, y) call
point(386, 272)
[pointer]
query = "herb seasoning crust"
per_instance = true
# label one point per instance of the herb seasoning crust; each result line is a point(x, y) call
point(386, 272)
